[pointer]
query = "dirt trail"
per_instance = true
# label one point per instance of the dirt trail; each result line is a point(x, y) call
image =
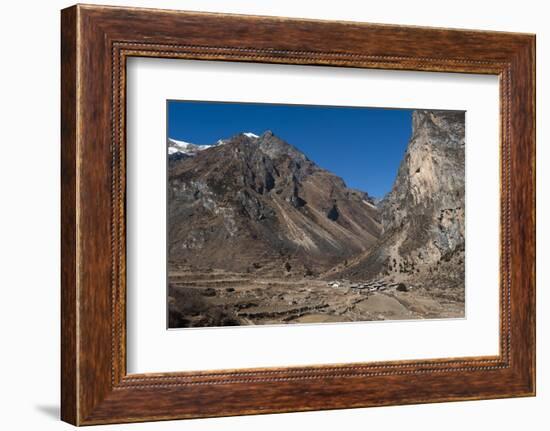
point(228, 299)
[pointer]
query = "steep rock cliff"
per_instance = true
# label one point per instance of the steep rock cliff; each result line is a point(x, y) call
point(423, 215)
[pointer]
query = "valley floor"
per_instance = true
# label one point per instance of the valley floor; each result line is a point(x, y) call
point(222, 298)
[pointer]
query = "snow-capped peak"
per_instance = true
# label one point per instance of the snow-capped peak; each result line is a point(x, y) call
point(181, 144)
point(182, 147)
point(176, 146)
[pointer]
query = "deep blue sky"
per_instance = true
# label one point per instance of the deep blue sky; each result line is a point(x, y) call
point(364, 146)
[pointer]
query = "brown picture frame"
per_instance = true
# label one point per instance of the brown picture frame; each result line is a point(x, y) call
point(95, 43)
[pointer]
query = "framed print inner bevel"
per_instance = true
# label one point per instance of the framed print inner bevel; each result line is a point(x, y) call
point(249, 278)
point(98, 44)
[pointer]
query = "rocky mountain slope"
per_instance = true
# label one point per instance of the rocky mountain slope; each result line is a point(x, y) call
point(256, 204)
point(423, 215)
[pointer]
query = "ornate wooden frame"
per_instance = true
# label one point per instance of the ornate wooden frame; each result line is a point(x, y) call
point(95, 42)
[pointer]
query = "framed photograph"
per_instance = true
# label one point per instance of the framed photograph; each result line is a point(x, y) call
point(262, 232)
point(264, 215)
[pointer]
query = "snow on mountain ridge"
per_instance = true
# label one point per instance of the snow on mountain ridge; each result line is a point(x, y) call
point(176, 146)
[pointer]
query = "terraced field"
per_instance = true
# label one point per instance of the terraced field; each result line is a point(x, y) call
point(224, 298)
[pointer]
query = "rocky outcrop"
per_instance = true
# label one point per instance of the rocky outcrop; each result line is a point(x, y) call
point(258, 204)
point(423, 215)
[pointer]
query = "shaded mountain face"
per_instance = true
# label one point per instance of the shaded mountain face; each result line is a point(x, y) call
point(257, 204)
point(423, 215)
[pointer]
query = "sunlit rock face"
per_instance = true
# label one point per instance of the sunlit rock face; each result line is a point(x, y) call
point(423, 215)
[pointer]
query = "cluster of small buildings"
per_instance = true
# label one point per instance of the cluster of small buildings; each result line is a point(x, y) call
point(369, 286)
